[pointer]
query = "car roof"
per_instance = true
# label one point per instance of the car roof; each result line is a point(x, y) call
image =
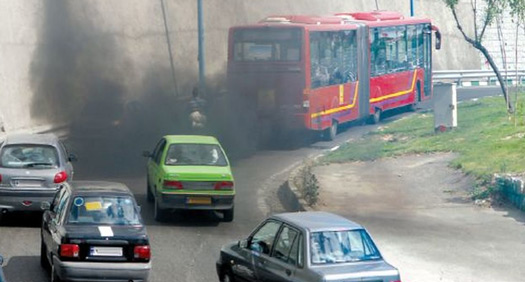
point(191, 139)
point(317, 221)
point(98, 187)
point(40, 139)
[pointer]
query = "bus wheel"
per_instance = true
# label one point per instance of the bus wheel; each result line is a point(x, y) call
point(330, 133)
point(413, 107)
point(376, 117)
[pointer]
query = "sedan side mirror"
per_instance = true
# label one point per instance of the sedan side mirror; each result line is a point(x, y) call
point(45, 206)
point(146, 154)
point(73, 158)
point(1, 261)
point(243, 244)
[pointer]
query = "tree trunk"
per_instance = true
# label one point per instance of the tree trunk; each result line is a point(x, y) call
point(502, 84)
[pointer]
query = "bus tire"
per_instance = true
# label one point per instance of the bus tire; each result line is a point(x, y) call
point(413, 107)
point(376, 117)
point(330, 133)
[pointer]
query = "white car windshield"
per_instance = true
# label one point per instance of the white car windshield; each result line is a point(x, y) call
point(330, 247)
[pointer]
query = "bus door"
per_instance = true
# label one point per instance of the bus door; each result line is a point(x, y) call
point(427, 59)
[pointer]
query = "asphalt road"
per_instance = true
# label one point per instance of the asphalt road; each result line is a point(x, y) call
point(186, 248)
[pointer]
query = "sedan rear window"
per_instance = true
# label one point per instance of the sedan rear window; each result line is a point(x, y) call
point(330, 247)
point(29, 156)
point(103, 210)
point(195, 154)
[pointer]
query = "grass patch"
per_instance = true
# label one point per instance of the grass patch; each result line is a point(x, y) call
point(486, 140)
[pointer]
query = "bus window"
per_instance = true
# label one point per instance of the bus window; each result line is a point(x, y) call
point(412, 46)
point(402, 57)
point(389, 52)
point(377, 53)
point(267, 45)
point(420, 51)
point(333, 57)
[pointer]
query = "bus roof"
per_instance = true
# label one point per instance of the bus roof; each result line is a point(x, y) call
point(346, 20)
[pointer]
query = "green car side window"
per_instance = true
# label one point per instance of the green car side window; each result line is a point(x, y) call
point(160, 151)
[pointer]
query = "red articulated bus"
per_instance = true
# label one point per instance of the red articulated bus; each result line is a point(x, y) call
point(308, 72)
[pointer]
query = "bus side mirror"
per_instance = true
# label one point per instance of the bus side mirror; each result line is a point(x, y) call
point(438, 41)
point(438, 36)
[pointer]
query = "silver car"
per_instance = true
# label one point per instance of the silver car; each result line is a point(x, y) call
point(306, 246)
point(32, 167)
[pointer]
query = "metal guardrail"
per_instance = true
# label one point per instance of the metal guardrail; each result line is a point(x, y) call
point(479, 77)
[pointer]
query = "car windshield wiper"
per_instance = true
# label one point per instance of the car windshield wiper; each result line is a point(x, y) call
point(37, 164)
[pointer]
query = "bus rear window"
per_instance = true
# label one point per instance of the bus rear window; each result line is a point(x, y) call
point(267, 44)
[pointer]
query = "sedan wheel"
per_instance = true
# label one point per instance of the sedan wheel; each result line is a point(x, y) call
point(159, 213)
point(149, 194)
point(228, 215)
point(43, 256)
point(54, 276)
point(227, 277)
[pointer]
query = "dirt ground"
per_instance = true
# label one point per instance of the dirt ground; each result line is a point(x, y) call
point(423, 220)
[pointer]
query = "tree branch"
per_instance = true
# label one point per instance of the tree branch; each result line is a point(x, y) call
point(467, 38)
point(474, 4)
point(487, 19)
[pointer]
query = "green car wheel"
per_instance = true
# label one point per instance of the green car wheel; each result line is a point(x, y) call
point(228, 215)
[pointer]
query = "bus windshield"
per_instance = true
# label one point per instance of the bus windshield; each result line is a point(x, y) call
point(267, 44)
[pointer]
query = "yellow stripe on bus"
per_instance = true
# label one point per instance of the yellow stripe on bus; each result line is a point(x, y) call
point(401, 93)
point(335, 110)
point(378, 99)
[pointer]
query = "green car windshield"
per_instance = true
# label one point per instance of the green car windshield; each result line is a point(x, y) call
point(195, 154)
point(330, 247)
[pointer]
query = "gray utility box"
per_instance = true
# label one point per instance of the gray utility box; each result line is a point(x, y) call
point(445, 106)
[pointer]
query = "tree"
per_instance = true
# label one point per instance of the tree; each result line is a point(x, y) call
point(492, 9)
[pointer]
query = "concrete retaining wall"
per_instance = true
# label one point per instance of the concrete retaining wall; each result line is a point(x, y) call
point(513, 189)
point(58, 56)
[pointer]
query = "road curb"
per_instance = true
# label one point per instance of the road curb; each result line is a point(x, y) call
point(290, 195)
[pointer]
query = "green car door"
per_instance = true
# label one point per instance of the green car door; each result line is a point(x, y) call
point(154, 169)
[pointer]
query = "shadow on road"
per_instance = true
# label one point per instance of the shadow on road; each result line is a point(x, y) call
point(25, 269)
point(511, 212)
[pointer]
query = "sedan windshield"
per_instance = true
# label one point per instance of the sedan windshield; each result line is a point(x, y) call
point(29, 156)
point(195, 154)
point(342, 246)
point(103, 210)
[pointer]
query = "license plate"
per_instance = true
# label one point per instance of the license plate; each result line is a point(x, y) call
point(27, 183)
point(199, 200)
point(106, 251)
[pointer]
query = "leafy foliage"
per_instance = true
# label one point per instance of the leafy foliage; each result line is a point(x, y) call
point(492, 10)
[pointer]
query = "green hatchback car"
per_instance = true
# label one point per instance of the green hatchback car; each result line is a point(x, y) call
point(190, 172)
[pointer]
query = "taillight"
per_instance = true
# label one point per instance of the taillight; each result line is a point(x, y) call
point(142, 252)
point(169, 184)
point(60, 177)
point(0, 178)
point(69, 250)
point(224, 185)
point(396, 281)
